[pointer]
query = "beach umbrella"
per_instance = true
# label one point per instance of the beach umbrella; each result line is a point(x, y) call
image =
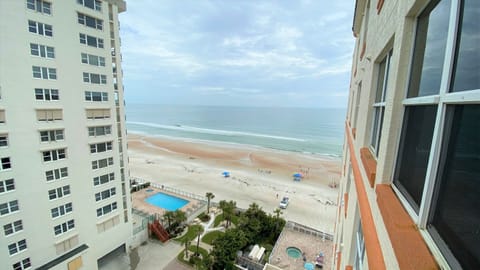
point(309, 266)
point(298, 175)
point(226, 174)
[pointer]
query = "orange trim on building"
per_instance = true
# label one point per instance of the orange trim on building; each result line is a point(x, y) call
point(348, 267)
point(339, 259)
point(345, 201)
point(408, 244)
point(370, 165)
point(372, 244)
point(379, 6)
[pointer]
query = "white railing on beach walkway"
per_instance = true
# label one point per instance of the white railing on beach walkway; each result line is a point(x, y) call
point(171, 189)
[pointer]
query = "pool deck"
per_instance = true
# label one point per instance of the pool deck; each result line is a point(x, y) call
point(310, 245)
point(138, 202)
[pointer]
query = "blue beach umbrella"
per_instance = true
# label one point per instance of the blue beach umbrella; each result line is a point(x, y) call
point(226, 174)
point(298, 175)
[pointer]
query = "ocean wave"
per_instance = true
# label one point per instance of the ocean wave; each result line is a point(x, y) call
point(215, 131)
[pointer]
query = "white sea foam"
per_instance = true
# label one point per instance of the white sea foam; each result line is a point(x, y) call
point(215, 131)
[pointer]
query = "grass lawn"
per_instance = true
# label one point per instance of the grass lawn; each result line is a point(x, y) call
point(211, 236)
point(219, 219)
point(192, 248)
point(191, 233)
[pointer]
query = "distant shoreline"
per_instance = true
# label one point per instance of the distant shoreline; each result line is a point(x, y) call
point(326, 156)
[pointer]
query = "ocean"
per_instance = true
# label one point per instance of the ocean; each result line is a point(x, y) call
point(307, 130)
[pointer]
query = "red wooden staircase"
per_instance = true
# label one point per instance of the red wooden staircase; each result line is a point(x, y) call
point(157, 229)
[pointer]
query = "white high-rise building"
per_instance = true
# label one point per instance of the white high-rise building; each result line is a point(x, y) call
point(64, 189)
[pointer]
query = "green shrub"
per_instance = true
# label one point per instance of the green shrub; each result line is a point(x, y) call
point(211, 236)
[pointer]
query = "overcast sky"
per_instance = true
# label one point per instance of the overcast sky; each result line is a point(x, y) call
point(243, 53)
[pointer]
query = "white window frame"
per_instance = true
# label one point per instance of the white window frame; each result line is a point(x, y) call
point(9, 207)
point(3, 140)
point(40, 6)
point(105, 194)
point(379, 106)
point(103, 179)
point(56, 174)
point(60, 192)
point(54, 155)
point(102, 163)
point(97, 4)
point(13, 227)
point(23, 264)
point(45, 73)
point(7, 185)
point(42, 51)
point(53, 135)
point(88, 41)
point(107, 209)
point(46, 94)
point(17, 247)
point(96, 96)
point(64, 227)
point(94, 147)
point(5, 163)
point(61, 210)
point(99, 131)
point(40, 28)
point(83, 18)
point(93, 60)
point(441, 99)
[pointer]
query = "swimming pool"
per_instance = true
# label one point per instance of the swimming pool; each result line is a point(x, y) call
point(165, 201)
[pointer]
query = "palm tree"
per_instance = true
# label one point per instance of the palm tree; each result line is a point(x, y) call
point(223, 205)
point(277, 212)
point(209, 196)
point(229, 211)
point(199, 232)
point(186, 241)
point(169, 215)
point(179, 216)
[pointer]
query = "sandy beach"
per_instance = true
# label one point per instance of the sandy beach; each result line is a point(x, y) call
point(258, 175)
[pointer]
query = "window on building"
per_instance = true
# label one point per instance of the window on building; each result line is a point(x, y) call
point(2, 117)
point(93, 60)
point(99, 131)
point(7, 185)
point(13, 227)
point(3, 140)
point(91, 41)
point(90, 21)
point(42, 51)
point(61, 210)
point(94, 78)
point(360, 248)
point(55, 154)
point(46, 94)
point(22, 265)
point(93, 114)
point(8, 207)
point(56, 174)
point(40, 6)
point(96, 96)
point(103, 179)
point(40, 28)
point(102, 163)
point(379, 103)
point(64, 227)
point(437, 168)
point(49, 115)
point(105, 194)
point(60, 192)
point(51, 135)
point(6, 163)
point(93, 4)
point(100, 147)
point(106, 209)
point(17, 247)
point(44, 73)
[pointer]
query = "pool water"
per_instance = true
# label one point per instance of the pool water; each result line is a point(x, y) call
point(294, 252)
point(165, 201)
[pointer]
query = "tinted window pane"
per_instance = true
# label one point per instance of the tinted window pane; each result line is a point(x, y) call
point(414, 151)
point(467, 67)
point(456, 216)
point(429, 54)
